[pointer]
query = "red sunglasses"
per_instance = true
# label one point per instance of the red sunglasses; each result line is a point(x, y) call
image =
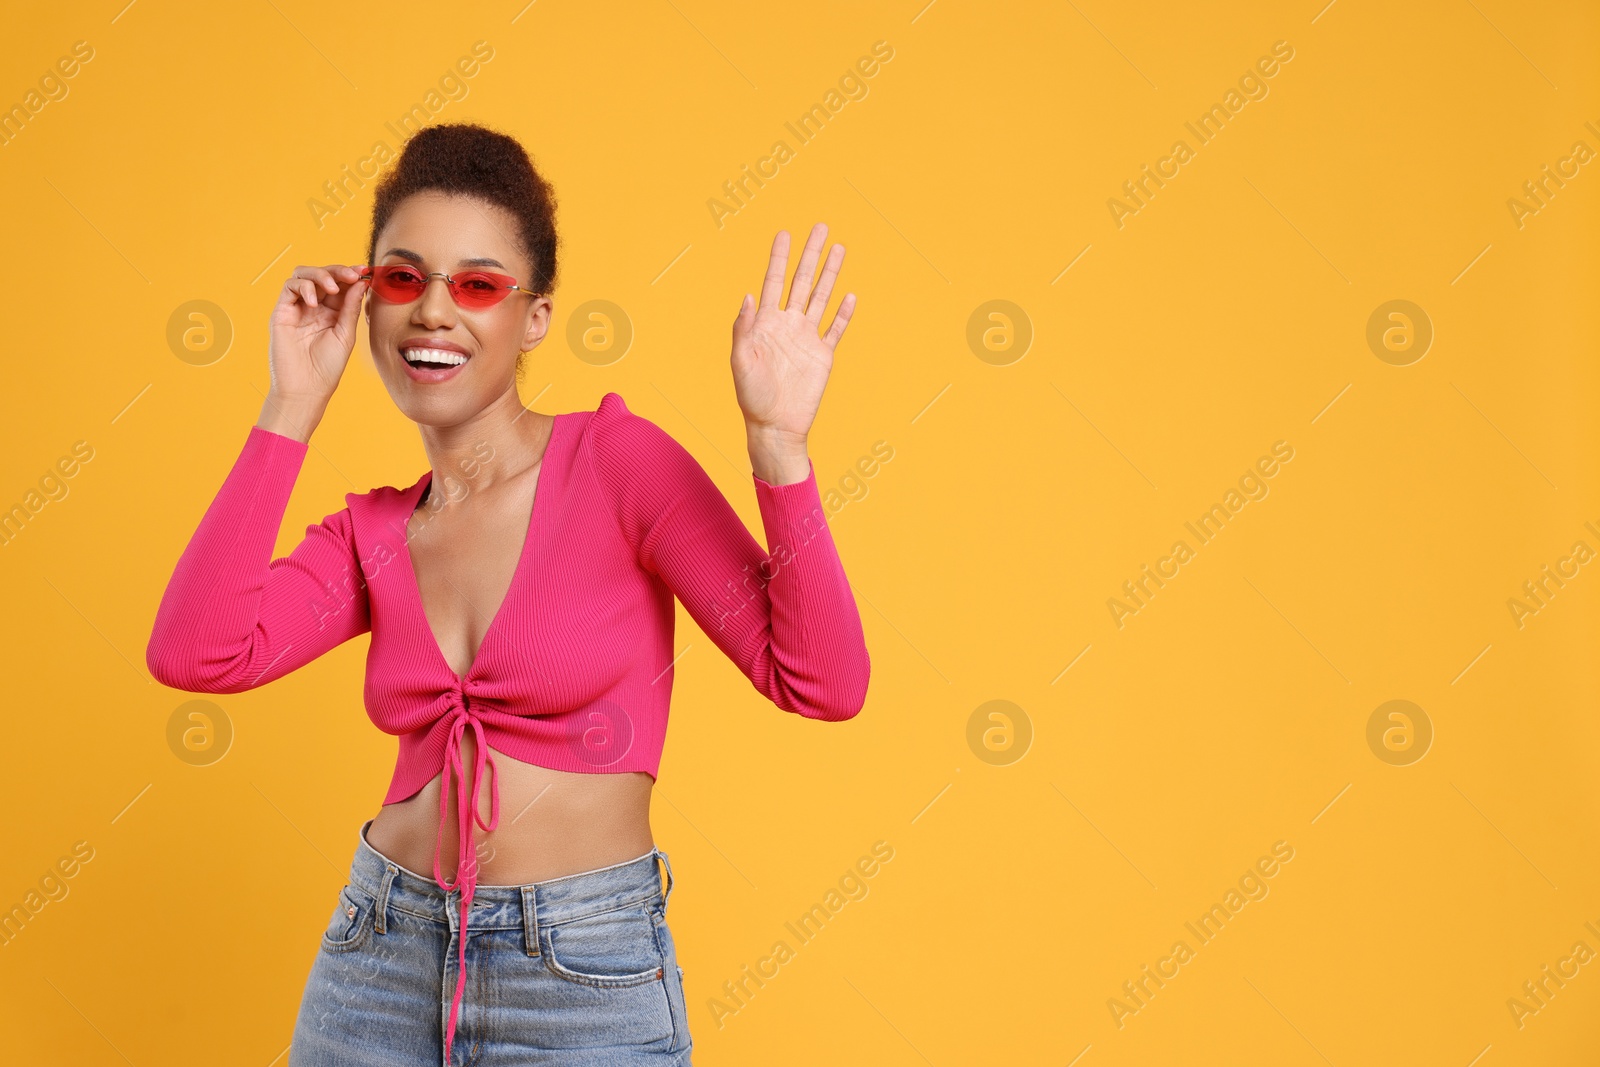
point(401, 283)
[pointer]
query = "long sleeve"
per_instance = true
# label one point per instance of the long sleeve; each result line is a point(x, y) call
point(786, 616)
point(232, 617)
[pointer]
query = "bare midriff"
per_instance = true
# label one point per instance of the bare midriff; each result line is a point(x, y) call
point(551, 823)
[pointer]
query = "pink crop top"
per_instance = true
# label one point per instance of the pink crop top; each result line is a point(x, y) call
point(575, 670)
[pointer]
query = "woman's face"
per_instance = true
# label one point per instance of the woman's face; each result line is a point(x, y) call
point(440, 232)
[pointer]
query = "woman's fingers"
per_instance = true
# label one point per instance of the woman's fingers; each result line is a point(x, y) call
point(777, 267)
point(841, 319)
point(317, 276)
point(830, 273)
point(307, 281)
point(330, 276)
point(351, 308)
point(800, 290)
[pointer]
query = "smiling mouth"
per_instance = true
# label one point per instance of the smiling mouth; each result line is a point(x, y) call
point(428, 358)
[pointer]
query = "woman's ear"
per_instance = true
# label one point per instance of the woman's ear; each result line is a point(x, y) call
point(538, 322)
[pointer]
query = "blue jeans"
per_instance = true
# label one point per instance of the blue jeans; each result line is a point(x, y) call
point(578, 970)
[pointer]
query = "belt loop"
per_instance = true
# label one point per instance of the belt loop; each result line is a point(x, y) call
point(667, 894)
point(381, 924)
point(530, 921)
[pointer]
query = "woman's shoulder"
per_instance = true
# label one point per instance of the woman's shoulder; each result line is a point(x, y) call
point(382, 499)
point(628, 444)
point(612, 412)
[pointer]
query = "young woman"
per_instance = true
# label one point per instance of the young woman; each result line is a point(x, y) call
point(520, 600)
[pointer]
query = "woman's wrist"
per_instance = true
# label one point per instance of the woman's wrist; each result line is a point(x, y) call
point(291, 418)
point(777, 458)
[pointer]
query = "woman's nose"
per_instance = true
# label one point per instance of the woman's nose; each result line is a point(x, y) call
point(436, 306)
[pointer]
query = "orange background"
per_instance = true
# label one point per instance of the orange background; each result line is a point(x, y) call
point(1044, 855)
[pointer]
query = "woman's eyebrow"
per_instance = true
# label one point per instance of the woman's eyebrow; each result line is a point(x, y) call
point(406, 253)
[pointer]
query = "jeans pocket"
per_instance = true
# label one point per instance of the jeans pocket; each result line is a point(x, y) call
point(609, 949)
point(350, 922)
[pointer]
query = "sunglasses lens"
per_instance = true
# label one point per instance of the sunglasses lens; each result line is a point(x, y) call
point(481, 289)
point(398, 284)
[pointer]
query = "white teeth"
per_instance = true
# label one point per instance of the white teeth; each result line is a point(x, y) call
point(434, 355)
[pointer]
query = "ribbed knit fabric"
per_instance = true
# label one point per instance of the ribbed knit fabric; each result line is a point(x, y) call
point(575, 670)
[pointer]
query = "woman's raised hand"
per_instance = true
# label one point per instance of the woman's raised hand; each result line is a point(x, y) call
point(780, 363)
point(313, 333)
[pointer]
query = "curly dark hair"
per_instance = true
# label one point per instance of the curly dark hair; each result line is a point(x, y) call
point(467, 159)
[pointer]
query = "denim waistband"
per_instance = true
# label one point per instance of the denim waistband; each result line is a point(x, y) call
point(509, 907)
